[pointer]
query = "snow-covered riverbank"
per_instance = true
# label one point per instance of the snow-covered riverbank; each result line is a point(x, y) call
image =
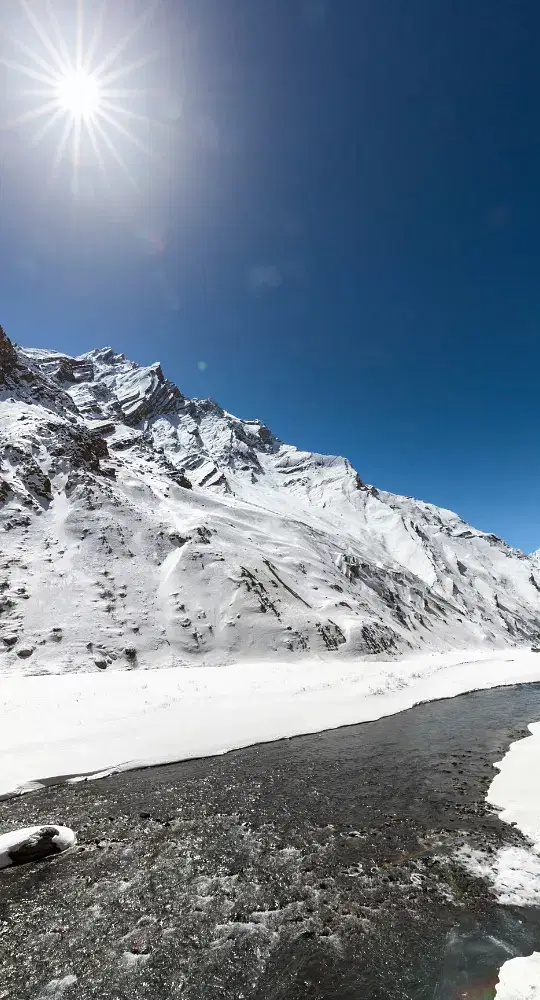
point(516, 791)
point(520, 979)
point(74, 724)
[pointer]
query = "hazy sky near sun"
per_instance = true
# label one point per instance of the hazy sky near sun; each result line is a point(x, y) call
point(324, 213)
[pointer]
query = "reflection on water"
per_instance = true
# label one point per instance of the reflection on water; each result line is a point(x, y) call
point(470, 963)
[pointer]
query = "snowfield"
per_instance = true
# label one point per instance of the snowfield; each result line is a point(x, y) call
point(75, 724)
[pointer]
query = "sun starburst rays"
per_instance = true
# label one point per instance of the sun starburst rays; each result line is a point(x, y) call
point(78, 93)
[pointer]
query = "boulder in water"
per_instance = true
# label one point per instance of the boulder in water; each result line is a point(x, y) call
point(33, 843)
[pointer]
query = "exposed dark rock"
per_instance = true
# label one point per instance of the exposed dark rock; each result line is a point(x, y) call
point(8, 356)
point(25, 651)
point(378, 638)
point(331, 634)
point(178, 476)
point(35, 480)
point(5, 491)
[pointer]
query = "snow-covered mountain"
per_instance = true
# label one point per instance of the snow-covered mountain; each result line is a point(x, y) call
point(142, 528)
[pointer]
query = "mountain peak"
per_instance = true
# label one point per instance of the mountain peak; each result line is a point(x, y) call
point(140, 519)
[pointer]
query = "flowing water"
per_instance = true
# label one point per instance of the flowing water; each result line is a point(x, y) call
point(318, 867)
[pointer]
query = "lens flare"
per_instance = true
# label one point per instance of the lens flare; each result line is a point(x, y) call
point(79, 93)
point(79, 90)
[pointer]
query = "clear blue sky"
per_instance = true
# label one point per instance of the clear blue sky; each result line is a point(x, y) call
point(339, 216)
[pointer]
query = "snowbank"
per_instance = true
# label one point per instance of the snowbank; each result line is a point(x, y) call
point(519, 979)
point(516, 791)
point(74, 724)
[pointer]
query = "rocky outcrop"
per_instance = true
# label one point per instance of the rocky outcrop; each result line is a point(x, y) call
point(29, 473)
point(77, 445)
point(8, 356)
point(66, 369)
point(34, 843)
point(5, 490)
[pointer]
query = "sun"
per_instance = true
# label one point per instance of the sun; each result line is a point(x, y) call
point(79, 93)
point(78, 87)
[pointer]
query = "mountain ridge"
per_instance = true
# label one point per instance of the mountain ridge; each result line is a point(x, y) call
point(148, 528)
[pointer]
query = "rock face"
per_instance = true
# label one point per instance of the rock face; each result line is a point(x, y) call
point(8, 356)
point(146, 521)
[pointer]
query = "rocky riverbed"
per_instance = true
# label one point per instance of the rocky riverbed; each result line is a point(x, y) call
point(325, 866)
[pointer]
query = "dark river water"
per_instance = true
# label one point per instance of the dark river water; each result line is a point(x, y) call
point(318, 867)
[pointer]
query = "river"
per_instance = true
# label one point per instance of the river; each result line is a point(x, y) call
point(317, 868)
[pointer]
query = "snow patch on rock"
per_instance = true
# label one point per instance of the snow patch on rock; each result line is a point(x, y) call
point(34, 843)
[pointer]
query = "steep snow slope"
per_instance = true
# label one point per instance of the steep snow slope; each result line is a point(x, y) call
point(140, 527)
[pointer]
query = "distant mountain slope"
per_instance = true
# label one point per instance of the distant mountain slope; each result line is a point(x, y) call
point(142, 528)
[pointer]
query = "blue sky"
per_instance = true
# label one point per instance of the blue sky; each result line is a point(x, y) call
point(335, 206)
